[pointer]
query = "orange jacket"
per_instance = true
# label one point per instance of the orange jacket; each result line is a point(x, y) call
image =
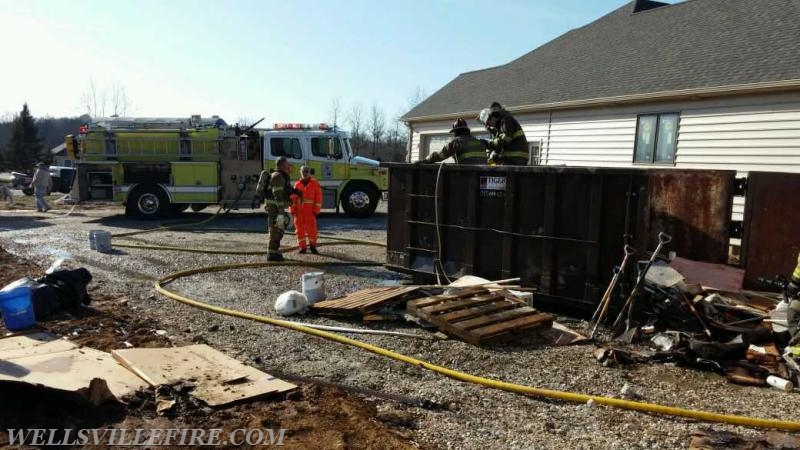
point(312, 197)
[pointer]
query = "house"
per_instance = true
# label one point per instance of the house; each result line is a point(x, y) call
point(711, 84)
point(60, 157)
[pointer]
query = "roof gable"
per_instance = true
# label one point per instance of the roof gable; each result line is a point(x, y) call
point(690, 45)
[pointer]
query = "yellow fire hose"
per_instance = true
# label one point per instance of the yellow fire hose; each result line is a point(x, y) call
point(707, 416)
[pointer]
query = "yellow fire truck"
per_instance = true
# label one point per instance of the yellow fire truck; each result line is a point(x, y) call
point(157, 167)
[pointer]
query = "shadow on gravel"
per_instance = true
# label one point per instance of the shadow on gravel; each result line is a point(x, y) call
point(16, 223)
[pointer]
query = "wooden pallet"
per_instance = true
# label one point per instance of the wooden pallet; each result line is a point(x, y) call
point(479, 316)
point(364, 302)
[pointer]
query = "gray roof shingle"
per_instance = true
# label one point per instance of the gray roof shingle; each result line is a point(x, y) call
point(690, 45)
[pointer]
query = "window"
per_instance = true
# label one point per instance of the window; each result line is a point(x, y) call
point(656, 138)
point(288, 147)
point(326, 147)
point(536, 153)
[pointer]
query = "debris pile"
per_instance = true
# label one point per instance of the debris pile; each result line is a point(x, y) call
point(731, 333)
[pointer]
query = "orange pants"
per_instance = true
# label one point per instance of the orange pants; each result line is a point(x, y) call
point(305, 224)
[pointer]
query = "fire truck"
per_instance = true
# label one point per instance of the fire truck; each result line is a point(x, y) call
point(162, 166)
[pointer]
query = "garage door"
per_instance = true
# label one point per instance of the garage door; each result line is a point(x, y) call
point(435, 142)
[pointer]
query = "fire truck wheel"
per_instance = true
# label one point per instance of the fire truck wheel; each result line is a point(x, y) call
point(148, 202)
point(359, 199)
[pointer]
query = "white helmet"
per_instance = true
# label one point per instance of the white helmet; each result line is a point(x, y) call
point(290, 303)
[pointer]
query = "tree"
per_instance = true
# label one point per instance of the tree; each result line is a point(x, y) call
point(24, 148)
point(99, 101)
point(376, 123)
point(356, 123)
point(336, 109)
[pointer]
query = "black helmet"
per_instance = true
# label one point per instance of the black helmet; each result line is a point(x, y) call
point(459, 124)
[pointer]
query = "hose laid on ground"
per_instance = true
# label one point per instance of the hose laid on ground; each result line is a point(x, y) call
point(495, 384)
point(461, 376)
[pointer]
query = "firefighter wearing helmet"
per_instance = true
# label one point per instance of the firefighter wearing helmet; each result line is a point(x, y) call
point(464, 148)
point(508, 144)
point(276, 190)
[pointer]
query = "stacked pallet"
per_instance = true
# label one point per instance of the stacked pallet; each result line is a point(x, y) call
point(366, 301)
point(479, 316)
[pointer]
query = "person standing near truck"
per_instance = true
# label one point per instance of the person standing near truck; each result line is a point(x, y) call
point(275, 189)
point(305, 209)
point(41, 184)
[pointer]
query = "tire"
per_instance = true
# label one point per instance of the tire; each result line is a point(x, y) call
point(197, 207)
point(27, 191)
point(148, 202)
point(359, 199)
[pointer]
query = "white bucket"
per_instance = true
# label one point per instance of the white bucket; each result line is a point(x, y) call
point(314, 286)
point(100, 240)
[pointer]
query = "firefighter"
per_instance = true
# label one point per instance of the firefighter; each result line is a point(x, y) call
point(276, 189)
point(508, 144)
point(305, 208)
point(464, 148)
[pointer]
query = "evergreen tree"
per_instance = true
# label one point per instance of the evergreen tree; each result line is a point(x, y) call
point(24, 148)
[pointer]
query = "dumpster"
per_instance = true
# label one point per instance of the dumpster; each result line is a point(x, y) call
point(560, 229)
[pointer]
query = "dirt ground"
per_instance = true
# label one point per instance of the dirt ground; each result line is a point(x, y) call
point(315, 417)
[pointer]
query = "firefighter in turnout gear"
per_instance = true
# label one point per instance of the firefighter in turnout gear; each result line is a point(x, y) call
point(464, 148)
point(276, 189)
point(508, 144)
point(305, 208)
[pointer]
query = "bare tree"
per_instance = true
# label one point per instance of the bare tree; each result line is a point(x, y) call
point(377, 122)
point(356, 119)
point(416, 97)
point(120, 102)
point(336, 110)
point(98, 101)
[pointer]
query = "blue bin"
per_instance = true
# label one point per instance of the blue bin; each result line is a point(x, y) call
point(16, 307)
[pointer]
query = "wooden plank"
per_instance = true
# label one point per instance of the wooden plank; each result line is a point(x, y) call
point(523, 322)
point(466, 292)
point(469, 313)
point(490, 319)
point(71, 370)
point(38, 343)
point(219, 379)
point(462, 303)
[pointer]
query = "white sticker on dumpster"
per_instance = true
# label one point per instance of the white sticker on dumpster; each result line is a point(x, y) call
point(493, 187)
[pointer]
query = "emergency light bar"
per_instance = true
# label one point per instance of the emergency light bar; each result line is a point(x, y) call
point(83, 129)
point(300, 126)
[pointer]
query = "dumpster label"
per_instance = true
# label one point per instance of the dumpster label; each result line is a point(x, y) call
point(493, 187)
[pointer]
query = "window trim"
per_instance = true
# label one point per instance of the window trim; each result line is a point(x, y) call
point(656, 131)
point(331, 158)
point(299, 142)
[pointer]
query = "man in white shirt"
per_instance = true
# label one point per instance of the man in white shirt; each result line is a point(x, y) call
point(41, 183)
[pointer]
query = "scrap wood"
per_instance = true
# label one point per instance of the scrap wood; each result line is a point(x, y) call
point(559, 335)
point(36, 343)
point(716, 276)
point(70, 370)
point(219, 379)
point(479, 316)
point(365, 301)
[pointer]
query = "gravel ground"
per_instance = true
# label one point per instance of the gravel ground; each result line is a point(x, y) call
point(476, 417)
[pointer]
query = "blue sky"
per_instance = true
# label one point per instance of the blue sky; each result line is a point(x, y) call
point(285, 60)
